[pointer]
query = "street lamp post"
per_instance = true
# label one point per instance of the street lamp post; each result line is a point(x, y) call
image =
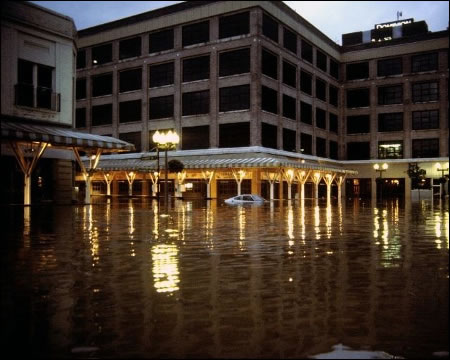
point(380, 170)
point(443, 169)
point(165, 141)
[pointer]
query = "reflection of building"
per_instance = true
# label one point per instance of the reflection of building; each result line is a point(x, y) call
point(253, 86)
point(37, 105)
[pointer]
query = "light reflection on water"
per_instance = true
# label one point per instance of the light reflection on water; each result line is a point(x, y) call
point(208, 280)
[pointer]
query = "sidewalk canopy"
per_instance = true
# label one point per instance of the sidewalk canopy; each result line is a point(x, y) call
point(149, 163)
point(60, 137)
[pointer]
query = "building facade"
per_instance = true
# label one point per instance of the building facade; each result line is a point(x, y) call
point(38, 106)
point(235, 78)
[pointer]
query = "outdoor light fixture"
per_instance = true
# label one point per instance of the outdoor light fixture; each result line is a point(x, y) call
point(380, 170)
point(166, 141)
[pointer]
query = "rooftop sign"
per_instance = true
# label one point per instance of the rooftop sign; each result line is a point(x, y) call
point(394, 23)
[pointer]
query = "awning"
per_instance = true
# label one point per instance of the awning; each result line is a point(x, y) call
point(60, 137)
point(145, 164)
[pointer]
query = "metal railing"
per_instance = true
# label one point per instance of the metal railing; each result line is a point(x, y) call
point(37, 97)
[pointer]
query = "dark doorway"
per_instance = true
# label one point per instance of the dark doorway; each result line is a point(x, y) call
point(358, 188)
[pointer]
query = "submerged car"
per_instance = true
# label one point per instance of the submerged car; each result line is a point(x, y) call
point(245, 199)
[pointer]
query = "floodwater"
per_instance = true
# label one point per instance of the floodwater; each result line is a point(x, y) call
point(206, 280)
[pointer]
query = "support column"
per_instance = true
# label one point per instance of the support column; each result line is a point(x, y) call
point(239, 176)
point(339, 181)
point(180, 177)
point(329, 180)
point(154, 179)
point(27, 165)
point(131, 176)
point(108, 179)
point(316, 180)
point(208, 177)
point(302, 176)
point(289, 175)
point(272, 177)
point(87, 173)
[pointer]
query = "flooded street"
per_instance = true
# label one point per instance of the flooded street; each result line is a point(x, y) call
point(283, 280)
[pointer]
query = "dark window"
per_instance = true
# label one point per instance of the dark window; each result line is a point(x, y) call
point(196, 137)
point(359, 124)
point(321, 147)
point(130, 80)
point(333, 118)
point(161, 40)
point(234, 135)
point(102, 54)
point(80, 118)
point(196, 102)
point(390, 122)
point(25, 72)
point(358, 71)
point(289, 74)
point(426, 91)
point(321, 60)
point(81, 59)
point(161, 74)
point(289, 140)
point(321, 118)
point(102, 115)
point(196, 33)
point(306, 82)
point(133, 138)
point(358, 151)
point(234, 25)
point(290, 40)
point(44, 88)
point(270, 28)
point(334, 69)
point(234, 62)
point(196, 68)
point(389, 67)
point(289, 107)
point(305, 113)
point(130, 48)
point(102, 85)
point(334, 93)
point(358, 98)
point(81, 89)
point(321, 89)
point(306, 144)
point(234, 98)
point(390, 149)
point(161, 107)
point(269, 64)
point(425, 148)
point(424, 62)
point(130, 111)
point(307, 51)
point(269, 100)
point(428, 119)
point(333, 149)
point(269, 135)
point(388, 95)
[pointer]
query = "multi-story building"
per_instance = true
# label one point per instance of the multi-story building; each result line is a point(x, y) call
point(37, 106)
point(253, 86)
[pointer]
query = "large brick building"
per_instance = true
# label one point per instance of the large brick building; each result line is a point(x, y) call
point(254, 86)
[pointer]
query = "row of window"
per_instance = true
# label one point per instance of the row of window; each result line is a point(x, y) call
point(231, 98)
point(197, 33)
point(229, 26)
point(393, 94)
point(270, 29)
point(269, 67)
point(238, 135)
point(421, 148)
point(393, 66)
point(421, 120)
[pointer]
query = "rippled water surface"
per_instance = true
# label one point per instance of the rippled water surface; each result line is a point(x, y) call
point(123, 279)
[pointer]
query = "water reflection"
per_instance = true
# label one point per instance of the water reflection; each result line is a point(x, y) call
point(165, 268)
point(283, 280)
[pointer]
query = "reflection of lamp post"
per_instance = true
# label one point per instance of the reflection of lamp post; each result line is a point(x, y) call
point(383, 167)
point(166, 141)
point(443, 169)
